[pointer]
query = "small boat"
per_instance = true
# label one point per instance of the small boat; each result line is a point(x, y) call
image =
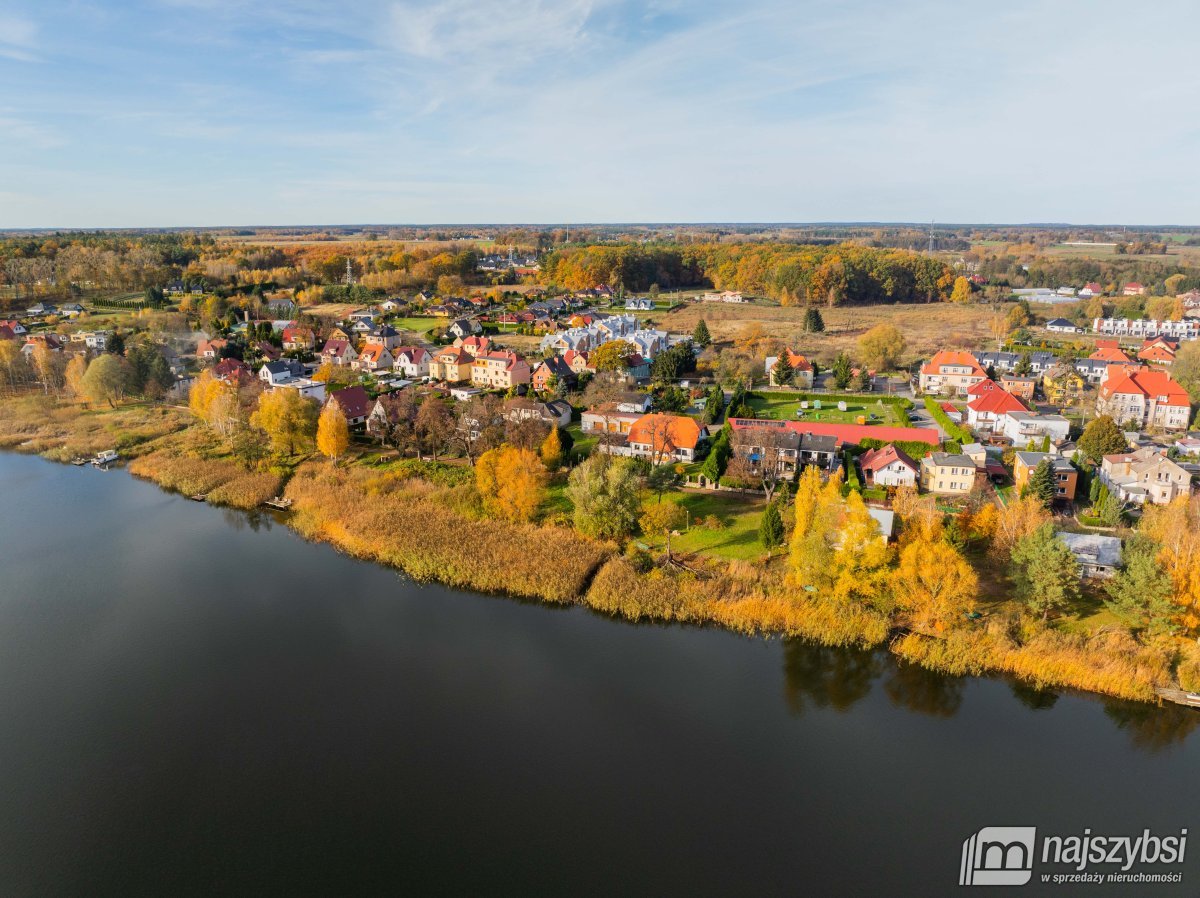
point(77, 461)
point(107, 457)
point(279, 503)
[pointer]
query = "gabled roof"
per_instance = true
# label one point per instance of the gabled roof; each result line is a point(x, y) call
point(877, 459)
point(852, 434)
point(414, 354)
point(373, 352)
point(1148, 382)
point(955, 358)
point(1107, 353)
point(797, 361)
point(996, 402)
point(353, 401)
point(657, 429)
point(337, 348)
point(983, 387)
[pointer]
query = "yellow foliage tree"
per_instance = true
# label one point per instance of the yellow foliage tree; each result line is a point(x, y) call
point(552, 450)
point(1014, 523)
point(333, 433)
point(816, 507)
point(859, 566)
point(961, 291)
point(76, 369)
point(1176, 528)
point(933, 582)
point(202, 394)
point(511, 483)
point(288, 419)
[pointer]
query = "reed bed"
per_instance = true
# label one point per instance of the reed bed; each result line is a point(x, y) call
point(403, 522)
point(61, 432)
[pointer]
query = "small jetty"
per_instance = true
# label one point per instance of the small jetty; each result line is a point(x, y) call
point(279, 503)
point(199, 497)
point(1179, 697)
point(79, 460)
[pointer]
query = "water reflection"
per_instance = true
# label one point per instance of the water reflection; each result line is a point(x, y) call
point(826, 677)
point(255, 519)
point(1152, 728)
point(1034, 698)
point(917, 689)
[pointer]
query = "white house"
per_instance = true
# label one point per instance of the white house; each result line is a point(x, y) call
point(411, 361)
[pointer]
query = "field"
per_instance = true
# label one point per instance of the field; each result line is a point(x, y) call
point(926, 328)
point(785, 405)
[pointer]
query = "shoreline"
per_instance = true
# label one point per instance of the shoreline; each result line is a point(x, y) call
point(403, 522)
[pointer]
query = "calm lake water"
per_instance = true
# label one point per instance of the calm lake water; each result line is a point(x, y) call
point(195, 703)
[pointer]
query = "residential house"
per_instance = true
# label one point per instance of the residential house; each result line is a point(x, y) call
point(451, 365)
point(268, 351)
point(464, 327)
point(1098, 556)
point(17, 328)
point(662, 438)
point(521, 408)
point(888, 466)
point(209, 350)
point(355, 404)
point(802, 369)
point(232, 371)
point(387, 412)
point(1093, 371)
point(374, 357)
point(367, 315)
point(1133, 288)
point(298, 339)
point(847, 434)
point(942, 472)
point(608, 419)
point(1040, 361)
point(1062, 385)
point(1065, 475)
point(412, 361)
point(339, 352)
point(474, 345)
point(501, 369)
point(1158, 351)
point(1110, 352)
point(71, 310)
point(390, 305)
point(950, 372)
point(41, 310)
point(1145, 475)
point(1188, 446)
point(1191, 302)
point(639, 304)
point(273, 374)
point(1063, 326)
point(1023, 427)
point(1186, 329)
point(1090, 289)
point(555, 368)
point(983, 412)
point(1021, 387)
point(309, 389)
point(578, 361)
point(731, 296)
point(385, 335)
point(1145, 398)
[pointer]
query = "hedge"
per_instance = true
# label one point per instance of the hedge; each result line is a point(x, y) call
point(954, 431)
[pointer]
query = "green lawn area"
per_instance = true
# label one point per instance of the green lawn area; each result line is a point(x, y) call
point(783, 406)
point(417, 325)
point(584, 443)
point(737, 539)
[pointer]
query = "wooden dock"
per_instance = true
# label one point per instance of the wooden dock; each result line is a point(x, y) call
point(278, 503)
point(1179, 697)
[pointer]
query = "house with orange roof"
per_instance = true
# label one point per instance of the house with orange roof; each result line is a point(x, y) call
point(211, 349)
point(1109, 351)
point(1158, 351)
point(663, 438)
point(298, 338)
point(1144, 398)
point(984, 412)
point(374, 357)
point(950, 371)
point(578, 361)
point(802, 369)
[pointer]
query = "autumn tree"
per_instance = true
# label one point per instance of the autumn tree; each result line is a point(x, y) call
point(662, 519)
point(552, 451)
point(612, 356)
point(1015, 522)
point(962, 290)
point(860, 564)
point(816, 509)
point(511, 483)
point(606, 497)
point(288, 419)
point(1175, 528)
point(933, 582)
point(881, 347)
point(333, 433)
point(76, 369)
point(433, 426)
point(106, 379)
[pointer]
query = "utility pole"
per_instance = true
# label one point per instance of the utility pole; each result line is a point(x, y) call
point(931, 236)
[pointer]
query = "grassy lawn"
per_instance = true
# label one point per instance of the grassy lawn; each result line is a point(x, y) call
point(584, 442)
point(417, 325)
point(737, 539)
point(783, 406)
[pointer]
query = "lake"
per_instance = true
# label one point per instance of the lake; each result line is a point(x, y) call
point(195, 701)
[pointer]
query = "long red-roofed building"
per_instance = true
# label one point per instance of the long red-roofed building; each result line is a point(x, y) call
point(846, 434)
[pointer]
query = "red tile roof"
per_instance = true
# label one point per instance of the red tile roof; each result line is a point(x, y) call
point(1149, 382)
point(996, 402)
point(852, 434)
point(353, 401)
point(877, 459)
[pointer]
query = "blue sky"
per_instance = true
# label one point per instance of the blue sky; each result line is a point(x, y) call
point(210, 112)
